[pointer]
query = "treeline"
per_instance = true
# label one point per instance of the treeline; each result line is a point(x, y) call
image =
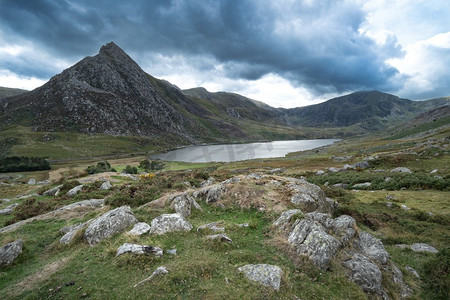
point(23, 163)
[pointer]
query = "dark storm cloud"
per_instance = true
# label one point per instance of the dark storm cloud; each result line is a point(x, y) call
point(312, 43)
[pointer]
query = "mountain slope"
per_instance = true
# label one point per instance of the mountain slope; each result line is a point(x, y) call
point(8, 92)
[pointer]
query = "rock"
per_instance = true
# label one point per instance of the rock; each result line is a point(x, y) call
point(182, 204)
point(285, 217)
point(348, 167)
point(139, 249)
point(83, 203)
point(6, 211)
point(403, 206)
point(74, 191)
point(387, 179)
point(168, 223)
point(214, 192)
point(172, 251)
point(5, 200)
point(106, 185)
point(405, 291)
point(422, 247)
point(264, 274)
point(32, 181)
point(434, 171)
point(361, 165)
point(9, 252)
point(401, 170)
point(231, 180)
point(158, 271)
point(108, 224)
point(277, 170)
point(211, 226)
point(243, 225)
point(373, 248)
point(389, 204)
point(362, 185)
point(320, 172)
point(309, 196)
point(334, 170)
point(53, 191)
point(412, 271)
point(70, 232)
point(139, 228)
point(254, 176)
point(340, 185)
point(364, 273)
point(208, 182)
point(221, 237)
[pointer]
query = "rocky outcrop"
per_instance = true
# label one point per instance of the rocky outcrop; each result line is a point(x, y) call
point(139, 229)
point(365, 273)
point(70, 232)
point(9, 252)
point(157, 272)
point(219, 237)
point(419, 247)
point(169, 223)
point(106, 185)
point(75, 190)
point(139, 250)
point(108, 224)
point(264, 274)
point(53, 191)
point(309, 197)
point(215, 226)
point(286, 217)
point(401, 170)
point(183, 203)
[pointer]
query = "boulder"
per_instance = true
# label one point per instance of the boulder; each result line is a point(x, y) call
point(264, 274)
point(285, 218)
point(32, 181)
point(373, 248)
point(6, 211)
point(419, 247)
point(139, 228)
point(320, 172)
point(215, 226)
point(364, 273)
point(401, 170)
point(214, 192)
point(71, 231)
point(108, 224)
point(208, 182)
point(106, 185)
point(340, 185)
point(139, 249)
point(182, 204)
point(362, 185)
point(158, 271)
point(361, 165)
point(9, 252)
point(168, 223)
point(75, 190)
point(220, 237)
point(405, 290)
point(309, 197)
point(412, 271)
point(53, 191)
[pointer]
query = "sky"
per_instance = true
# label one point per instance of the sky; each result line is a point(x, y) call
point(286, 53)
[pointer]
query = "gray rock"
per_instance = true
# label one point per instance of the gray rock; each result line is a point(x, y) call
point(71, 232)
point(182, 204)
point(168, 223)
point(231, 180)
point(403, 206)
point(320, 172)
point(334, 170)
point(405, 291)
point(309, 197)
point(171, 251)
point(221, 237)
point(243, 225)
point(208, 182)
point(434, 171)
point(285, 217)
point(6, 211)
point(264, 274)
point(9, 252)
point(422, 247)
point(108, 224)
point(340, 185)
point(106, 185)
point(83, 203)
point(277, 170)
point(412, 271)
point(215, 226)
point(214, 192)
point(401, 170)
point(364, 273)
point(362, 185)
point(157, 272)
point(387, 179)
point(5, 200)
point(373, 248)
point(344, 222)
point(75, 190)
point(32, 181)
point(348, 167)
point(139, 249)
point(53, 191)
point(361, 165)
point(139, 228)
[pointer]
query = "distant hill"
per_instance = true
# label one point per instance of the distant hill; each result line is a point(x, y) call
point(8, 92)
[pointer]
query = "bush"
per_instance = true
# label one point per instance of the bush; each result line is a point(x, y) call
point(436, 277)
point(30, 208)
point(153, 165)
point(130, 170)
point(23, 163)
point(101, 167)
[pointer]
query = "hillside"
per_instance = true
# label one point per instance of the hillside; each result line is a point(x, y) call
point(8, 92)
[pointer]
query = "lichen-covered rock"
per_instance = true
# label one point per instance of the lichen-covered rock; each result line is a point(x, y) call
point(220, 237)
point(9, 252)
point(108, 224)
point(286, 217)
point(139, 249)
point(139, 228)
point(6, 211)
point(75, 190)
point(182, 204)
point(309, 197)
point(214, 192)
point(405, 290)
point(215, 226)
point(106, 185)
point(168, 223)
point(373, 247)
point(264, 274)
point(362, 185)
point(70, 232)
point(419, 247)
point(157, 272)
point(401, 170)
point(53, 191)
point(364, 273)
point(208, 182)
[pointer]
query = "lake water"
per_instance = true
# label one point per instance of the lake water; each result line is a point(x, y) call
point(235, 152)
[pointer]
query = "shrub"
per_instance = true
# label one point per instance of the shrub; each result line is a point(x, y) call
point(153, 165)
point(130, 170)
point(101, 167)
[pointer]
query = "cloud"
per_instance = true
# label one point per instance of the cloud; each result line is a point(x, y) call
point(321, 47)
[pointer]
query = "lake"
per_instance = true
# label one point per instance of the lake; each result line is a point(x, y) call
point(236, 152)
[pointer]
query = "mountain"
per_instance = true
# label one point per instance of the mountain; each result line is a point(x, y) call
point(8, 92)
